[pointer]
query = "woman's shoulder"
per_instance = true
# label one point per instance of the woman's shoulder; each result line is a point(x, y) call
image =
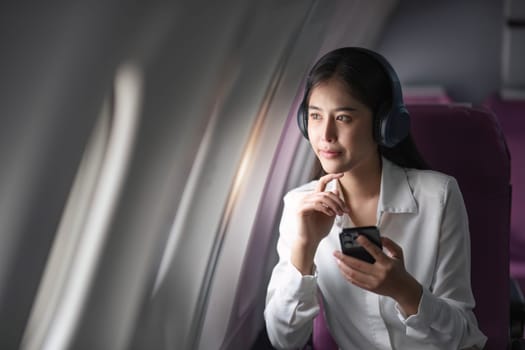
point(431, 182)
point(418, 177)
point(431, 176)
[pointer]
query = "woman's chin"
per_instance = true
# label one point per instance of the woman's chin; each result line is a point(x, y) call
point(332, 169)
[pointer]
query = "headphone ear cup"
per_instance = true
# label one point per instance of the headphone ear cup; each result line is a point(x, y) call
point(392, 126)
point(380, 124)
point(398, 126)
point(302, 119)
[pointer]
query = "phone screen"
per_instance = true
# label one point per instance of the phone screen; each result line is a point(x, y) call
point(350, 247)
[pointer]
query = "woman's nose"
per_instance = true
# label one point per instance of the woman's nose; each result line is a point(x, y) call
point(329, 131)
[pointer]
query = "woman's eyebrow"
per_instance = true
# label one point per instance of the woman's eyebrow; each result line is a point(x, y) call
point(314, 107)
point(339, 109)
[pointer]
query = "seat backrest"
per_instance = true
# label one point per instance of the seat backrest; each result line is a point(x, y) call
point(321, 337)
point(468, 144)
point(511, 114)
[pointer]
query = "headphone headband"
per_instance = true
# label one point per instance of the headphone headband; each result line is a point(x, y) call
point(391, 123)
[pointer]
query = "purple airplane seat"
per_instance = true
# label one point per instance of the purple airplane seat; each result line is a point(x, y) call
point(468, 144)
point(511, 114)
point(321, 337)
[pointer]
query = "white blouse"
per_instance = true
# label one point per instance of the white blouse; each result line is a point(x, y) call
point(424, 213)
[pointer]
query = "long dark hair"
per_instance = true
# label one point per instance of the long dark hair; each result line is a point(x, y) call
point(369, 83)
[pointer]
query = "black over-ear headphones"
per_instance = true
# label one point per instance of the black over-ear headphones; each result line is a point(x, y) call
point(391, 123)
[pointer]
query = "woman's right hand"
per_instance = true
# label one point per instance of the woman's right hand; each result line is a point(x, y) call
point(315, 214)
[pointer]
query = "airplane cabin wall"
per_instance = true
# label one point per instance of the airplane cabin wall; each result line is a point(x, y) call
point(52, 88)
point(453, 44)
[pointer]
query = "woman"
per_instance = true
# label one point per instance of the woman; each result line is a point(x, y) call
point(417, 294)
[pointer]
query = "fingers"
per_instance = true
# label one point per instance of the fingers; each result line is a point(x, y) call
point(383, 277)
point(352, 263)
point(356, 271)
point(326, 202)
point(333, 201)
point(324, 180)
point(374, 250)
point(393, 250)
point(322, 206)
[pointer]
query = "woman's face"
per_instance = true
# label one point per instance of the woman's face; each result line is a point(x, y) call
point(339, 127)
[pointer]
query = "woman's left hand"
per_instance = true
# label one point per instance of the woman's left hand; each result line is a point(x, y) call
point(387, 276)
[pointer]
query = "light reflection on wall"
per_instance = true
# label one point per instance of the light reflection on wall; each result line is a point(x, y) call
point(85, 224)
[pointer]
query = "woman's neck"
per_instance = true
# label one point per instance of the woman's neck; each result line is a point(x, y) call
point(363, 182)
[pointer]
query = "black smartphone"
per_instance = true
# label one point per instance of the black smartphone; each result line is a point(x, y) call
point(350, 247)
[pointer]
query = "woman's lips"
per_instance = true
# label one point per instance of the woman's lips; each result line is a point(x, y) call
point(329, 154)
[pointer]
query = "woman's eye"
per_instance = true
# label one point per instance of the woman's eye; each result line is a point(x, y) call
point(315, 116)
point(344, 118)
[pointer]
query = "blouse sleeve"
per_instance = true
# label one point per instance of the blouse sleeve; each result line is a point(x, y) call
point(291, 299)
point(445, 314)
